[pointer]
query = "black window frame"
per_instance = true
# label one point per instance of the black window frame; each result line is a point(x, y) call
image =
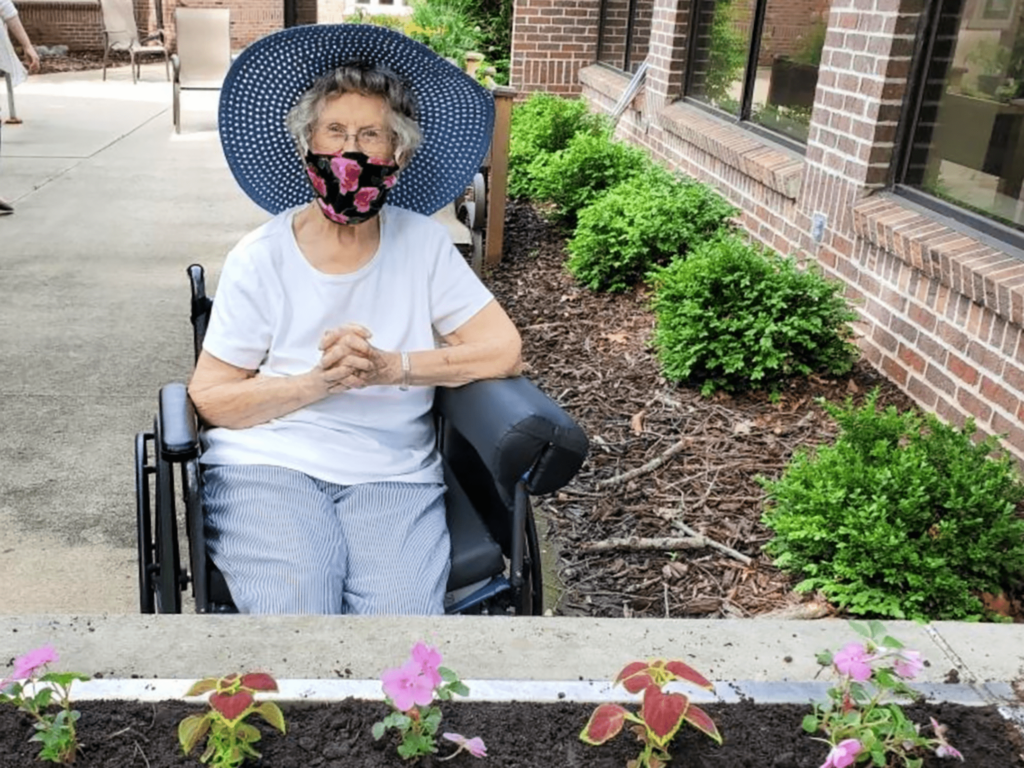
point(956, 217)
point(749, 78)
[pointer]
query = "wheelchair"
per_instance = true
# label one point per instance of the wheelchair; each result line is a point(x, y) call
point(502, 441)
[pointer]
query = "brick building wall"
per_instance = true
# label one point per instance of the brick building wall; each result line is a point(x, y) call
point(78, 24)
point(941, 309)
point(554, 39)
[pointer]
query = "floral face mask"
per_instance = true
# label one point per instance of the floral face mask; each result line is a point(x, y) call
point(351, 187)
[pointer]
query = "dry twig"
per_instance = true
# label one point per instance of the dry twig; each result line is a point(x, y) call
point(650, 466)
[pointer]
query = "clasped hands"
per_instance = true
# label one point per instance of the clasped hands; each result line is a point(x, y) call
point(349, 361)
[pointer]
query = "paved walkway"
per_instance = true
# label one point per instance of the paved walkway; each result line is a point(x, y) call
point(111, 208)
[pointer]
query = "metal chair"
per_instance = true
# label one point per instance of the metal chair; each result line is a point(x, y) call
point(121, 33)
point(502, 442)
point(204, 52)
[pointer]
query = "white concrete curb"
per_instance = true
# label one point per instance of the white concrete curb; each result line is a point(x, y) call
point(585, 691)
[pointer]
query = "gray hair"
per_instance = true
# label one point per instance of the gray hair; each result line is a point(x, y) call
point(368, 80)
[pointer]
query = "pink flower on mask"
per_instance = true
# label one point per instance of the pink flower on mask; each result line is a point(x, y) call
point(318, 184)
point(330, 213)
point(390, 181)
point(364, 197)
point(347, 171)
point(853, 660)
point(844, 754)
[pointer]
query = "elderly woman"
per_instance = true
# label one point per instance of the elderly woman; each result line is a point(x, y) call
point(332, 325)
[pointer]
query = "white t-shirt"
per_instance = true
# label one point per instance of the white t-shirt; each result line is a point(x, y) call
point(9, 62)
point(271, 309)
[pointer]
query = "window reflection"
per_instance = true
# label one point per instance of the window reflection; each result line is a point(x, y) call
point(625, 33)
point(967, 145)
point(792, 38)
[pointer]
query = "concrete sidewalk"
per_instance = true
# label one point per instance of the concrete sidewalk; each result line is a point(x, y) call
point(111, 207)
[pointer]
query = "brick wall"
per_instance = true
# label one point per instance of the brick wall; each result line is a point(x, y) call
point(79, 25)
point(552, 40)
point(941, 309)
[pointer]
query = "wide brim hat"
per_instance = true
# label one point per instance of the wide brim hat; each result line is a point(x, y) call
point(455, 113)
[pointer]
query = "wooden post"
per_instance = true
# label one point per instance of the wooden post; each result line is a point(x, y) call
point(497, 189)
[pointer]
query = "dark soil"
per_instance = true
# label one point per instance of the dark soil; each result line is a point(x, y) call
point(124, 735)
point(590, 352)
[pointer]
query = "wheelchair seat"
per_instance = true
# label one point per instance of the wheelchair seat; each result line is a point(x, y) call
point(501, 441)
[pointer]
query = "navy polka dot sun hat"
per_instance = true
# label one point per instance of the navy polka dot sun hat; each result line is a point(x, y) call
point(456, 114)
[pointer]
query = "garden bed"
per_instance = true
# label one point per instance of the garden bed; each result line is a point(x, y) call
point(125, 734)
point(590, 352)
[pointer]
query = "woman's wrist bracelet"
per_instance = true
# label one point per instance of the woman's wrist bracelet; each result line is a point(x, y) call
point(404, 386)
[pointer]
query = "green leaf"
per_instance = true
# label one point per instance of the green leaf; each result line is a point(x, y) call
point(810, 723)
point(202, 686)
point(378, 731)
point(447, 675)
point(191, 730)
point(459, 689)
point(270, 712)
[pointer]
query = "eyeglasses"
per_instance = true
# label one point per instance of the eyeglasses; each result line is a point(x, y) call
point(369, 140)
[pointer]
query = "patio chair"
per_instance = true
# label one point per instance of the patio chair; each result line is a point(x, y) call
point(204, 52)
point(502, 441)
point(120, 33)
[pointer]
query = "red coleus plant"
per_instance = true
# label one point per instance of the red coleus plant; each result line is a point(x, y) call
point(232, 701)
point(661, 713)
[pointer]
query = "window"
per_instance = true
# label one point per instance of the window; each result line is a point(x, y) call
point(624, 33)
point(758, 60)
point(966, 135)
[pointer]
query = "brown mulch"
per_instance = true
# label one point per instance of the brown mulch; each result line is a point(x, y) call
point(80, 61)
point(590, 352)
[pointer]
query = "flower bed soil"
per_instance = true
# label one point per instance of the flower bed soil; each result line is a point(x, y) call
point(591, 353)
point(126, 735)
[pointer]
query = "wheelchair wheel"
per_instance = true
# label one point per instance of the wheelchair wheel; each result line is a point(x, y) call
point(531, 596)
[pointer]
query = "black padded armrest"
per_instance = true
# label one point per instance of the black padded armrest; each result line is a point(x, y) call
point(517, 430)
point(179, 436)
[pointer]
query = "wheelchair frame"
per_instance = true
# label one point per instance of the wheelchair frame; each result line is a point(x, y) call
point(546, 450)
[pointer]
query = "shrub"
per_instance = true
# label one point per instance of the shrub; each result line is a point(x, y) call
point(573, 177)
point(643, 222)
point(731, 316)
point(903, 516)
point(447, 27)
point(541, 125)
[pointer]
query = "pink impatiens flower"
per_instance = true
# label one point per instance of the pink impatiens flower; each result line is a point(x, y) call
point(347, 171)
point(843, 754)
point(853, 660)
point(25, 666)
point(474, 746)
point(945, 749)
point(429, 660)
point(364, 197)
point(407, 686)
point(908, 664)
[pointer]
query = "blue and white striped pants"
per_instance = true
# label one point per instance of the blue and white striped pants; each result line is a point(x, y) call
point(289, 543)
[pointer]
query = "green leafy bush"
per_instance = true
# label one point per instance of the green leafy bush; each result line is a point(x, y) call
point(541, 125)
point(732, 316)
point(447, 27)
point(903, 516)
point(643, 222)
point(591, 163)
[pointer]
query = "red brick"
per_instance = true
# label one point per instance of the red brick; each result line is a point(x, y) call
point(974, 405)
point(962, 369)
point(1000, 395)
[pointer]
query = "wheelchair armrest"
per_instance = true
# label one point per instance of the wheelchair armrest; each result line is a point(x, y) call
point(179, 433)
point(518, 432)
